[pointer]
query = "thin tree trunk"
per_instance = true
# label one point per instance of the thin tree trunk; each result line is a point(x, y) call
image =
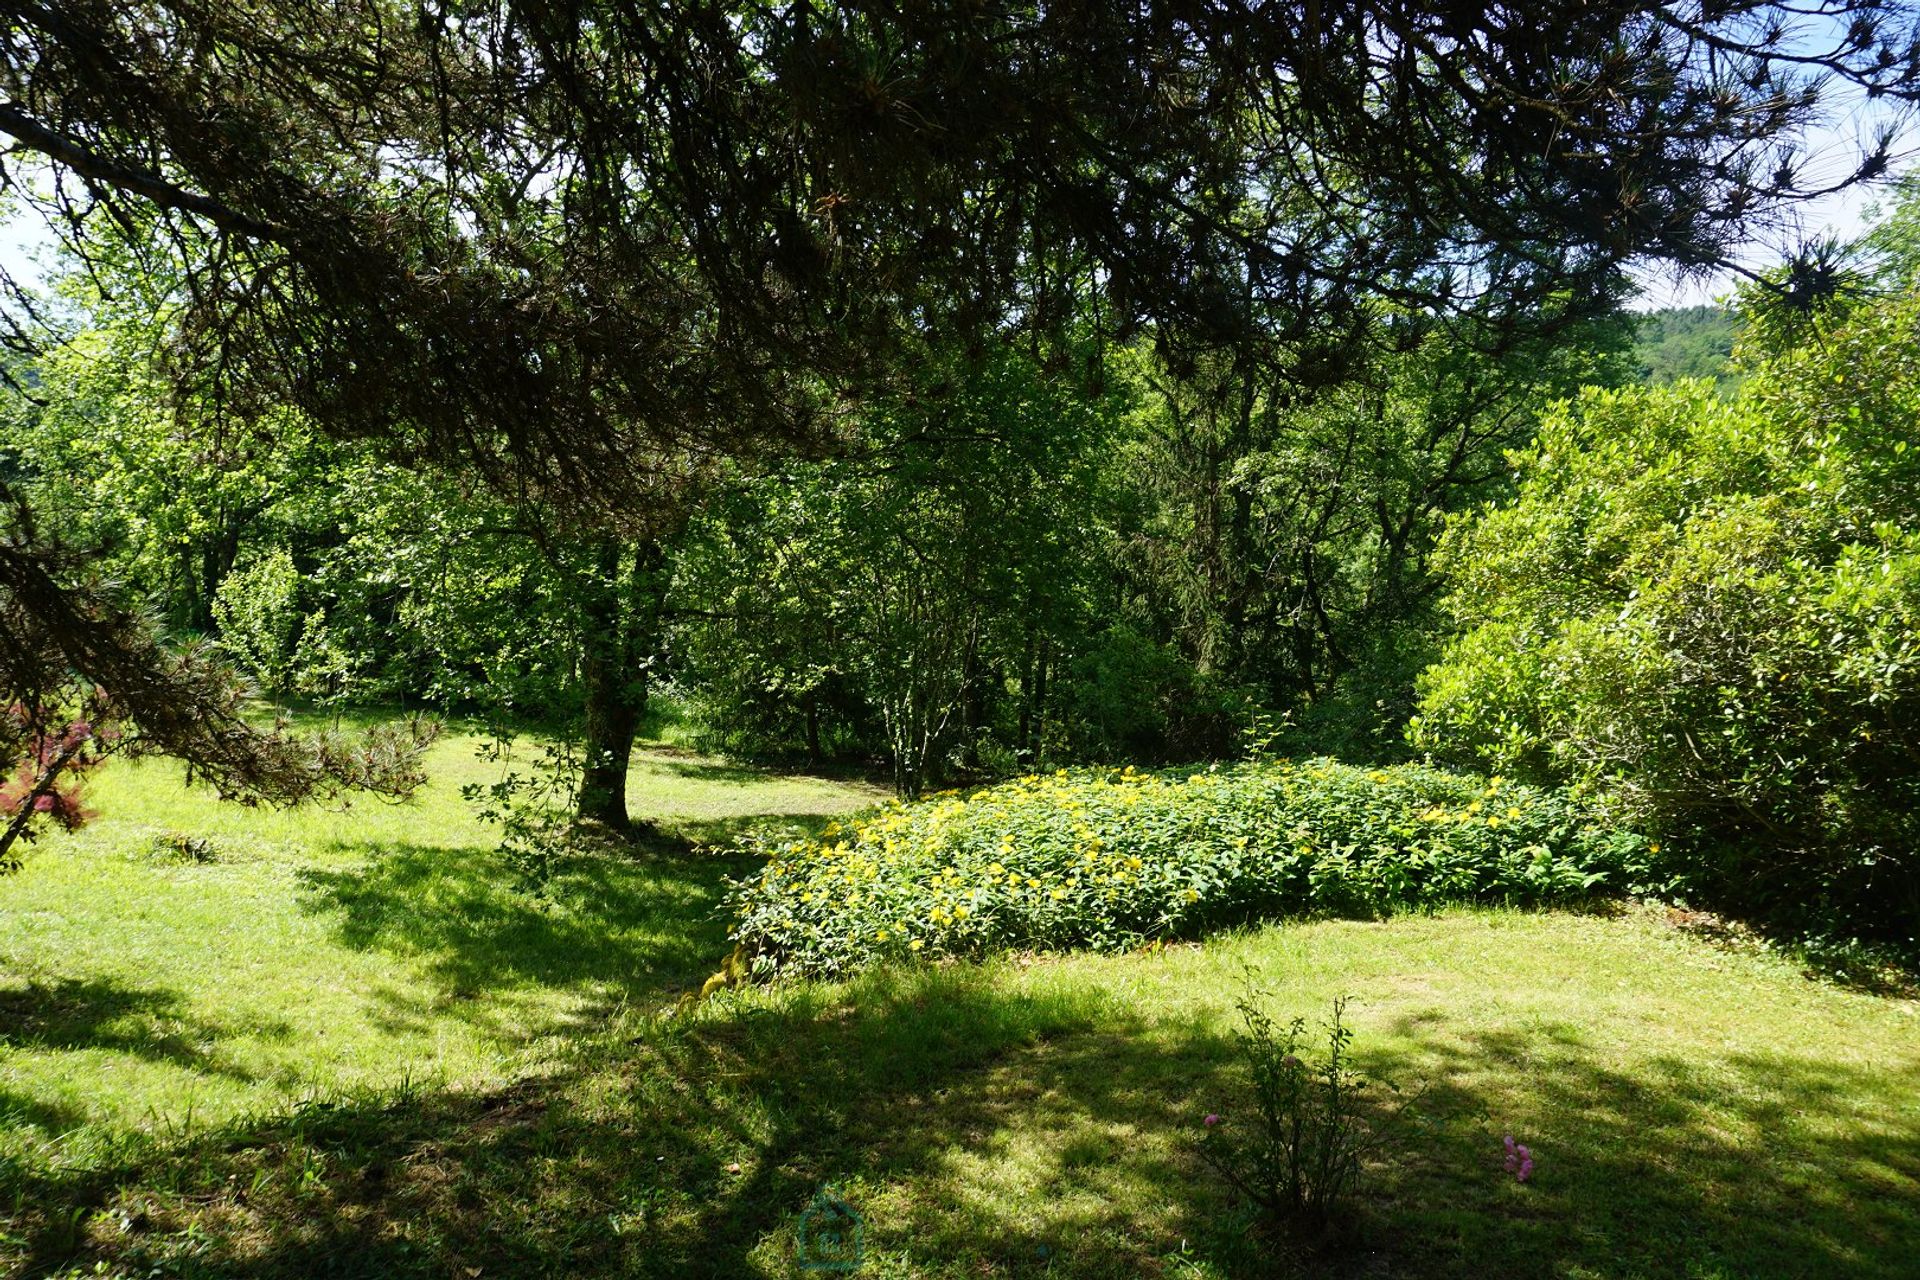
point(1029, 670)
point(814, 758)
point(1039, 740)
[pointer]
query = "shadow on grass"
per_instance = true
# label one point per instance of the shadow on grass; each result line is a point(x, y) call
point(701, 769)
point(20, 1110)
point(604, 922)
point(982, 1131)
point(643, 919)
point(1747, 1164)
point(726, 832)
point(684, 762)
point(102, 1013)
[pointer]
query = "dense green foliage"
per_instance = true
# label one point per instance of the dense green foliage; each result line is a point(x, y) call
point(591, 259)
point(1708, 607)
point(1036, 567)
point(1117, 858)
point(1685, 342)
point(1073, 538)
point(897, 601)
point(1016, 565)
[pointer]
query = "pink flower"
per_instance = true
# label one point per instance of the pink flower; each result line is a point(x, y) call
point(1519, 1160)
point(1211, 1120)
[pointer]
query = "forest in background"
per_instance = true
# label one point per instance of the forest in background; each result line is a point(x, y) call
point(1037, 564)
point(1048, 567)
point(978, 430)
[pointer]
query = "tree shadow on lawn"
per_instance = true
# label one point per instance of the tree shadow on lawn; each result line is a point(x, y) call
point(641, 920)
point(24, 1111)
point(147, 1022)
point(695, 766)
point(701, 769)
point(982, 1132)
point(686, 1150)
point(605, 923)
point(1746, 1164)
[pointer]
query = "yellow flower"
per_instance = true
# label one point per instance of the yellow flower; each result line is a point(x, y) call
point(880, 936)
point(1032, 883)
point(916, 944)
point(1135, 863)
point(997, 869)
point(961, 913)
point(1193, 895)
point(1058, 894)
point(1493, 822)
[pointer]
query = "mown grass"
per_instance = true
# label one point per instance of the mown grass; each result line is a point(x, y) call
point(1695, 1110)
point(142, 991)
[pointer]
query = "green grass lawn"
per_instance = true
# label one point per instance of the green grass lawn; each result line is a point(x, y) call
point(488, 1090)
point(319, 950)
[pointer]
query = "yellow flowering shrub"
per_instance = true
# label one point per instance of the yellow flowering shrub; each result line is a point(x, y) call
point(1114, 858)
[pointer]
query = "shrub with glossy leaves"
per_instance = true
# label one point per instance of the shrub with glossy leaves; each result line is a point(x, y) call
point(1710, 608)
point(1114, 858)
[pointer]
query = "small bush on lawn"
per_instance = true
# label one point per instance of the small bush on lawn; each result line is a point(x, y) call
point(1298, 1149)
point(1109, 859)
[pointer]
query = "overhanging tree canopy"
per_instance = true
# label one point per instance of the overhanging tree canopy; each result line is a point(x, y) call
point(580, 246)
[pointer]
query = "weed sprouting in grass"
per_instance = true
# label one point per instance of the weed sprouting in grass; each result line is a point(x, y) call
point(178, 846)
point(1297, 1150)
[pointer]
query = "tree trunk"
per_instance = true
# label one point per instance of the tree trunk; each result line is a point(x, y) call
point(621, 632)
point(1029, 669)
point(1038, 704)
point(814, 758)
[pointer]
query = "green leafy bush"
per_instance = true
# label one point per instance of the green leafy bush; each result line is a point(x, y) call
point(1710, 609)
point(259, 617)
point(1112, 858)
